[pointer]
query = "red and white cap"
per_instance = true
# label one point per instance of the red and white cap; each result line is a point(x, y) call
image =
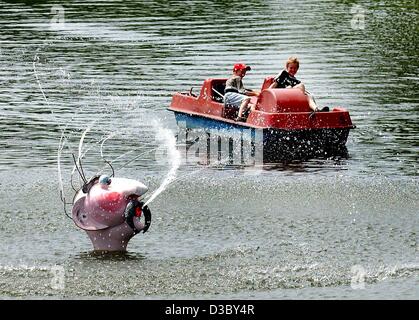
point(241, 66)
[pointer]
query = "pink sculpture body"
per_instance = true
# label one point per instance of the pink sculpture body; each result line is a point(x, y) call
point(109, 211)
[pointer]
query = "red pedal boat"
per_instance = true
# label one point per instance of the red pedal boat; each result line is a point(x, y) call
point(289, 129)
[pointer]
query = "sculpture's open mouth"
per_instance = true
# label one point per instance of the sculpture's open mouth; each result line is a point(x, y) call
point(136, 208)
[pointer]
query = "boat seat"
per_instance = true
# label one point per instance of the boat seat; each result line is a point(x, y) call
point(230, 111)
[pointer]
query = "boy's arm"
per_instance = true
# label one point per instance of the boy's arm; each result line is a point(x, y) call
point(252, 93)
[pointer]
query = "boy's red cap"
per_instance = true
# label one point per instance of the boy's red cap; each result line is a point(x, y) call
point(241, 66)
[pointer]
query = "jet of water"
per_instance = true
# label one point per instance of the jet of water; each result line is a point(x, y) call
point(166, 137)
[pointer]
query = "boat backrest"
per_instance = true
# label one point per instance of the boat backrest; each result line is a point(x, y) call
point(213, 89)
point(267, 82)
point(283, 100)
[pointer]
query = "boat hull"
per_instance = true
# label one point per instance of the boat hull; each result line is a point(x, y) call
point(272, 144)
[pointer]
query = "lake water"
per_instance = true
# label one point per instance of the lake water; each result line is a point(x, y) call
point(317, 229)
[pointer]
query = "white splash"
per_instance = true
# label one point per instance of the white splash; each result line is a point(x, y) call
point(81, 154)
point(166, 137)
point(63, 136)
point(111, 135)
point(60, 177)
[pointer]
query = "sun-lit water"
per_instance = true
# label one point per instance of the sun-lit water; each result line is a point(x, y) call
point(289, 230)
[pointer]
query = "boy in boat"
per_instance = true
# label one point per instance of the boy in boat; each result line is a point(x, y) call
point(235, 93)
point(287, 79)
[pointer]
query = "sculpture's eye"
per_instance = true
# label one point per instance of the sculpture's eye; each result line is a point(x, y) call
point(105, 180)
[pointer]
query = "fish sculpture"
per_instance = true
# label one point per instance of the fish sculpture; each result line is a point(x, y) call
point(109, 209)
